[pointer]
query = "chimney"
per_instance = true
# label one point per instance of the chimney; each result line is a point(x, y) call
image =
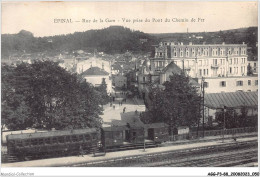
point(190, 43)
point(243, 42)
point(181, 43)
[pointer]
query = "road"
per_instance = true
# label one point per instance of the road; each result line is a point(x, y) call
point(131, 105)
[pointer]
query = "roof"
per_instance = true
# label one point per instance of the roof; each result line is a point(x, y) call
point(115, 128)
point(94, 71)
point(132, 119)
point(172, 67)
point(51, 133)
point(231, 99)
point(156, 125)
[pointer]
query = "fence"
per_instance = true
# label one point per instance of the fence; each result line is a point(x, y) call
point(195, 135)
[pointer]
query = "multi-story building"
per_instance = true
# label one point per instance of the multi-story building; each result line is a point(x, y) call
point(204, 60)
point(230, 84)
point(254, 66)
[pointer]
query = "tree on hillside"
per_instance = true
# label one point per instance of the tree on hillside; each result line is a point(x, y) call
point(178, 104)
point(48, 97)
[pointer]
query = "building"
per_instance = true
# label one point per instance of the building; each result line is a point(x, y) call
point(120, 81)
point(69, 64)
point(254, 66)
point(95, 76)
point(230, 84)
point(93, 62)
point(204, 60)
point(215, 102)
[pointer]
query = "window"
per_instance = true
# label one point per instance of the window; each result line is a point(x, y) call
point(47, 141)
point(54, 140)
point(160, 54)
point(41, 142)
point(207, 71)
point(87, 137)
point(249, 82)
point(200, 72)
point(256, 82)
point(230, 61)
point(81, 138)
point(19, 143)
point(61, 139)
point(34, 142)
point(239, 83)
point(230, 70)
point(181, 54)
point(204, 71)
point(206, 84)
point(74, 138)
point(27, 143)
point(67, 139)
point(215, 62)
point(223, 84)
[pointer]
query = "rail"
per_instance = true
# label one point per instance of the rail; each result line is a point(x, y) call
point(196, 135)
point(166, 155)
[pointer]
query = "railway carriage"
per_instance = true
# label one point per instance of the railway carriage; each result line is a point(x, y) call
point(113, 136)
point(157, 132)
point(54, 143)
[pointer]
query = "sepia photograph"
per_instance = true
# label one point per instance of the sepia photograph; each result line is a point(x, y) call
point(144, 88)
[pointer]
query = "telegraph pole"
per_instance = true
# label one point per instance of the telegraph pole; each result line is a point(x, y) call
point(224, 108)
point(203, 93)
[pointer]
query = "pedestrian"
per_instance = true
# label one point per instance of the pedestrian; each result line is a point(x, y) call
point(81, 151)
point(113, 106)
point(110, 104)
point(124, 109)
point(136, 112)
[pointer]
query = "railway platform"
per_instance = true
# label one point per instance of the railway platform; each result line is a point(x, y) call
point(72, 160)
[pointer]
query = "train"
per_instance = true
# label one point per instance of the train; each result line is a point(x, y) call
point(58, 143)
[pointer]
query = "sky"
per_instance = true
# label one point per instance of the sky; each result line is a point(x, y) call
point(42, 18)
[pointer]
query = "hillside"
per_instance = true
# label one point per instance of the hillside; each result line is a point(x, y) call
point(233, 36)
point(115, 39)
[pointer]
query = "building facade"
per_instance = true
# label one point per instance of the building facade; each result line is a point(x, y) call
point(205, 60)
point(230, 84)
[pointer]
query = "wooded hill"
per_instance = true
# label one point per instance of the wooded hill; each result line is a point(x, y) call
point(117, 39)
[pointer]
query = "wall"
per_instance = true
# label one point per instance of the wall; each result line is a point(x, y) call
point(214, 84)
point(94, 62)
point(120, 81)
point(97, 80)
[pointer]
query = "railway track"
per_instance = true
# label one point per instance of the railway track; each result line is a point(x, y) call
point(165, 158)
point(217, 160)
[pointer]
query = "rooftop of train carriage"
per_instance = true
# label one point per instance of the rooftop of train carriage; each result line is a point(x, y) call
point(51, 133)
